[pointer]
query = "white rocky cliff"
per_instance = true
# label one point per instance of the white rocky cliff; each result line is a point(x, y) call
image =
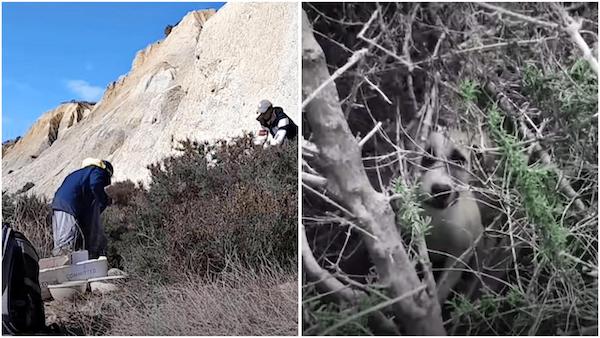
point(202, 81)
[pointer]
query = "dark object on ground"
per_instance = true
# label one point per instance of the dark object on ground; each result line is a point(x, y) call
point(22, 308)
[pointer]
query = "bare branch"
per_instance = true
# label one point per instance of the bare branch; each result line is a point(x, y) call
point(569, 26)
point(351, 61)
point(378, 90)
point(361, 35)
point(324, 279)
point(572, 28)
point(314, 179)
point(369, 135)
point(517, 15)
point(420, 313)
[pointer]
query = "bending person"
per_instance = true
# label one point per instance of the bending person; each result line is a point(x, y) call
point(77, 206)
point(275, 122)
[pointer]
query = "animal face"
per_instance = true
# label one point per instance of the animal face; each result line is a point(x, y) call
point(445, 170)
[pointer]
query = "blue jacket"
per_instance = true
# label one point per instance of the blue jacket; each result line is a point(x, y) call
point(80, 189)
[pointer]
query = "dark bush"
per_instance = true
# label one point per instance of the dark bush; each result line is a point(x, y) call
point(30, 215)
point(195, 218)
point(122, 192)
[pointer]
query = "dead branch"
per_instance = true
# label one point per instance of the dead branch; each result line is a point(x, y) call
point(342, 166)
point(517, 15)
point(406, 51)
point(572, 28)
point(353, 59)
point(324, 280)
point(314, 180)
point(569, 26)
point(369, 135)
point(361, 35)
point(327, 283)
point(378, 90)
point(485, 48)
point(430, 107)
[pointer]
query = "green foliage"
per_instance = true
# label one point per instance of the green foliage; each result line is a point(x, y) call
point(194, 218)
point(575, 88)
point(536, 187)
point(197, 218)
point(469, 90)
point(569, 96)
point(408, 209)
point(491, 313)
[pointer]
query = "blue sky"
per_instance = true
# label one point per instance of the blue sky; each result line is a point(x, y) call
point(55, 52)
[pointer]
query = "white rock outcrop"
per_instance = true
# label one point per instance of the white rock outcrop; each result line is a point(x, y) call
point(202, 81)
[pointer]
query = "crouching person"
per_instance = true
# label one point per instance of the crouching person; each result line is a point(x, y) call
point(76, 209)
point(275, 122)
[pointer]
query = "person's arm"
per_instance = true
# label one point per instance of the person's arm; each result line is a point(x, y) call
point(279, 137)
point(281, 132)
point(262, 136)
point(99, 179)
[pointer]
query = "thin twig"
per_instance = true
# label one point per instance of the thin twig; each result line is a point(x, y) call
point(369, 135)
point(485, 47)
point(361, 35)
point(517, 15)
point(351, 61)
point(378, 90)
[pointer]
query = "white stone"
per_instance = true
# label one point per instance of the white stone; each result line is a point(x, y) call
point(88, 269)
point(52, 276)
point(103, 287)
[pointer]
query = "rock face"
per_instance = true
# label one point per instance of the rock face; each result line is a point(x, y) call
point(202, 82)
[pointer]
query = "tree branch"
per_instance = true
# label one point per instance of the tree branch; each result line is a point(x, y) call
point(342, 166)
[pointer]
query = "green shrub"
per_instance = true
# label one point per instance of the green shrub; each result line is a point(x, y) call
point(123, 192)
point(193, 218)
point(196, 218)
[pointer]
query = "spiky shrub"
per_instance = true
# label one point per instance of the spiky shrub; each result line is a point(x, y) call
point(196, 217)
point(556, 247)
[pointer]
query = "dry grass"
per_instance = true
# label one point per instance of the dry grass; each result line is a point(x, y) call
point(29, 214)
point(239, 302)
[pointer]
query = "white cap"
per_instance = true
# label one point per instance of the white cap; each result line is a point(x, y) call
point(263, 106)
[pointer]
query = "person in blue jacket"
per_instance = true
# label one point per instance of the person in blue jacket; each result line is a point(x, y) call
point(77, 206)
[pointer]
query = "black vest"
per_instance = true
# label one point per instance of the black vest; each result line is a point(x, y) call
point(291, 128)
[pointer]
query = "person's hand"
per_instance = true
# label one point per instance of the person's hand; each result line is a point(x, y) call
point(261, 137)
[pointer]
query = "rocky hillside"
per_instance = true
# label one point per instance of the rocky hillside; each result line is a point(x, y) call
point(202, 81)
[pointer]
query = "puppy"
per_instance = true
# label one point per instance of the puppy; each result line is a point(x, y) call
point(455, 216)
